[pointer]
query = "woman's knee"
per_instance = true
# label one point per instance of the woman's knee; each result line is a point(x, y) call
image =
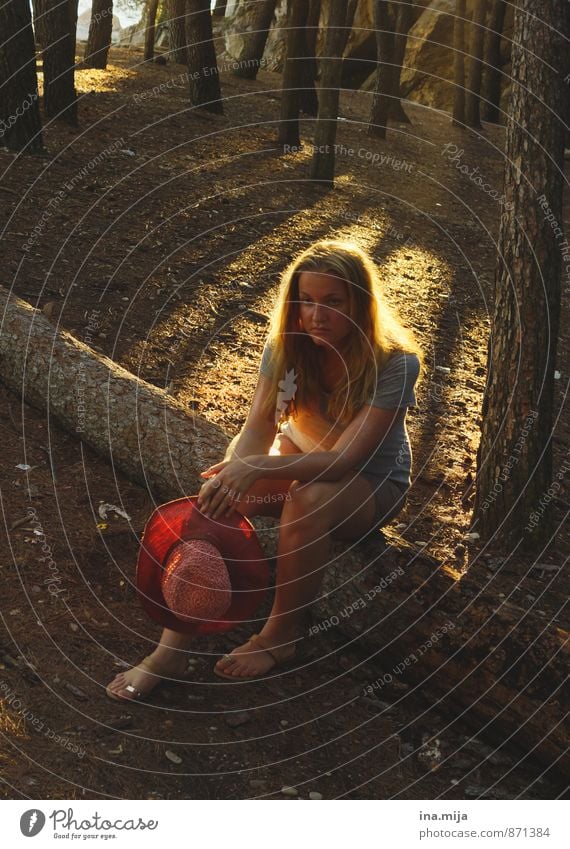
point(308, 503)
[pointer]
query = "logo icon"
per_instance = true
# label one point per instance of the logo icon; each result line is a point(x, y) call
point(32, 822)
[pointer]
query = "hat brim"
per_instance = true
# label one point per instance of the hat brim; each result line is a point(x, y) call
point(237, 541)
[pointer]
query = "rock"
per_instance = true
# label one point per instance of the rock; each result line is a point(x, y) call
point(314, 794)
point(258, 784)
point(174, 758)
point(234, 720)
point(291, 792)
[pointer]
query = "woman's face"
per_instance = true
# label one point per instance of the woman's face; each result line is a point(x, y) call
point(324, 308)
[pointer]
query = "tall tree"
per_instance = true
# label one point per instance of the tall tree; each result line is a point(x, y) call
point(150, 29)
point(20, 123)
point(297, 12)
point(475, 65)
point(99, 39)
point(176, 12)
point(58, 31)
point(203, 73)
point(459, 63)
point(220, 8)
point(255, 40)
point(309, 102)
point(514, 469)
point(492, 74)
point(392, 24)
point(323, 161)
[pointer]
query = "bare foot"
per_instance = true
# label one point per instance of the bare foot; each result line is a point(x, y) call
point(255, 658)
point(139, 681)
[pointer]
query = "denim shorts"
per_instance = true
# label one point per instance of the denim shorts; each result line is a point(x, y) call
point(390, 498)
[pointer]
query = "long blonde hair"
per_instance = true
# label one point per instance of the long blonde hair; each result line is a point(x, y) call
point(381, 333)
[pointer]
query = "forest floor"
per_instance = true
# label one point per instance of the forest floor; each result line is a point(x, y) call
point(156, 233)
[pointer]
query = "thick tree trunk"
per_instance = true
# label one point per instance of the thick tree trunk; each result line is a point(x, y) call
point(203, 73)
point(405, 19)
point(20, 123)
point(323, 161)
point(293, 73)
point(220, 8)
point(459, 63)
point(501, 668)
point(59, 22)
point(475, 66)
point(514, 475)
point(252, 54)
point(386, 80)
point(100, 29)
point(177, 30)
point(492, 74)
point(309, 102)
point(150, 29)
point(137, 426)
point(506, 665)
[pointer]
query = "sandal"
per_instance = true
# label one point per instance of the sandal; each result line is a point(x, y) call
point(278, 653)
point(147, 664)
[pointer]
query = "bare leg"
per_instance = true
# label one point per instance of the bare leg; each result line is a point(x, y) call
point(308, 519)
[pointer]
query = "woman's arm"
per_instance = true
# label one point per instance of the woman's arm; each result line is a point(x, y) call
point(258, 431)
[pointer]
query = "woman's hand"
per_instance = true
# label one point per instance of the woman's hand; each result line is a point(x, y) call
point(226, 484)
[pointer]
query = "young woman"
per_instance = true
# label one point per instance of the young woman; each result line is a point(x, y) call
point(324, 447)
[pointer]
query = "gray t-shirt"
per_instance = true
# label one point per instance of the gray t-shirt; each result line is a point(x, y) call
point(394, 391)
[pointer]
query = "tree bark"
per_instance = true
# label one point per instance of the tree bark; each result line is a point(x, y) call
point(405, 19)
point(20, 122)
point(504, 664)
point(252, 54)
point(499, 667)
point(150, 31)
point(475, 66)
point(100, 29)
point(59, 22)
point(385, 74)
point(459, 63)
point(176, 10)
point(220, 8)
point(492, 75)
point(309, 102)
point(293, 73)
point(323, 161)
point(514, 464)
point(203, 73)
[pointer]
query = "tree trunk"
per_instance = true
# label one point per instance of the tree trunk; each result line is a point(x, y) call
point(150, 31)
point(492, 75)
point(59, 21)
point(501, 668)
point(405, 20)
point(475, 66)
point(20, 123)
point(386, 80)
point(220, 8)
point(203, 73)
point(459, 63)
point(504, 664)
point(100, 29)
point(514, 473)
point(293, 73)
point(176, 10)
point(309, 102)
point(323, 161)
point(252, 54)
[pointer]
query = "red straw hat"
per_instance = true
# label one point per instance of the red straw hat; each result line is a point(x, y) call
point(198, 575)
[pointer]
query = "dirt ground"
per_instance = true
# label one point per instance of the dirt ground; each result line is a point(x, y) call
point(156, 233)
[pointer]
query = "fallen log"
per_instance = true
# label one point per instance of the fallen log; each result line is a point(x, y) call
point(500, 666)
